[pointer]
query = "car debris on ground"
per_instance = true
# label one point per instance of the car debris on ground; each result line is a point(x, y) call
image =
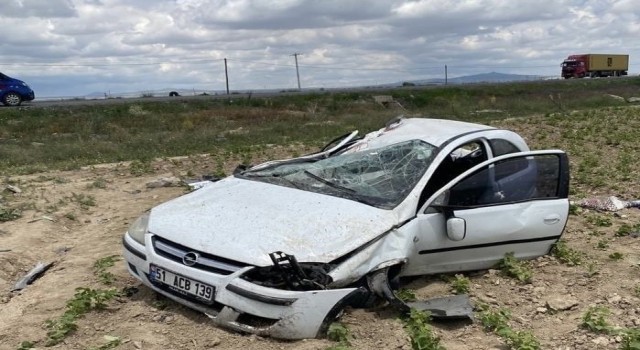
point(33, 274)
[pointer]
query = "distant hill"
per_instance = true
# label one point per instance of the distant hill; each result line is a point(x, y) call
point(493, 77)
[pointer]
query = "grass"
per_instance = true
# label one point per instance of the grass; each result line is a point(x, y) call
point(143, 130)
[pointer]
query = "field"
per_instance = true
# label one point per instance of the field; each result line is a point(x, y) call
point(74, 178)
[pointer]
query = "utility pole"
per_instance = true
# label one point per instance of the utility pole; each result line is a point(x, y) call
point(445, 75)
point(295, 56)
point(226, 74)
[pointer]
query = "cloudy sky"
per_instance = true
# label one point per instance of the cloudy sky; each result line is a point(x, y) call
point(77, 47)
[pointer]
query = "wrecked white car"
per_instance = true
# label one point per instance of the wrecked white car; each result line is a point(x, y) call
point(279, 249)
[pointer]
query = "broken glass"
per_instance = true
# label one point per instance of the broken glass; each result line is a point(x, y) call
point(381, 177)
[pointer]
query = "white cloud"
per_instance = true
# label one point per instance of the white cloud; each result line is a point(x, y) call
point(153, 44)
point(37, 8)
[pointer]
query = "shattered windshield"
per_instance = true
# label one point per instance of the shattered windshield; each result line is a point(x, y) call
point(381, 177)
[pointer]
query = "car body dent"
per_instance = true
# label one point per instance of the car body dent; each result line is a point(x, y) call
point(392, 249)
point(288, 322)
point(223, 218)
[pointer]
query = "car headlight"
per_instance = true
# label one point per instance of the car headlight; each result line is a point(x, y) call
point(139, 228)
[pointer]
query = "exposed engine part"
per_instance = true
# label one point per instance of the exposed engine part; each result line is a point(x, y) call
point(288, 274)
point(292, 273)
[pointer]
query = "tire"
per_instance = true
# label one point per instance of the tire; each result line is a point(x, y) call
point(12, 99)
point(174, 93)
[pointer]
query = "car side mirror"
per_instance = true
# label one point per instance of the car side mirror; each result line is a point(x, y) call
point(456, 229)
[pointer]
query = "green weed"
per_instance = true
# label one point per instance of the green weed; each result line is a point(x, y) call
point(98, 183)
point(139, 168)
point(85, 300)
point(592, 269)
point(101, 266)
point(519, 340)
point(595, 320)
point(616, 256)
point(630, 339)
point(574, 209)
point(498, 322)
point(9, 214)
point(515, 268)
point(599, 220)
point(626, 229)
point(566, 255)
point(85, 201)
point(493, 321)
point(460, 284)
point(339, 333)
point(111, 343)
point(420, 332)
point(405, 294)
point(602, 244)
point(25, 345)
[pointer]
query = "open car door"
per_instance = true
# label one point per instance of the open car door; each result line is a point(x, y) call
point(513, 203)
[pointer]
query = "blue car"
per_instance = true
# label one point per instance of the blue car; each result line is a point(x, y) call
point(14, 91)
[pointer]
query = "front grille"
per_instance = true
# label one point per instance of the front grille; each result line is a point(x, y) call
point(207, 262)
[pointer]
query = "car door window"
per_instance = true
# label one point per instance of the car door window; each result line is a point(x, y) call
point(455, 163)
point(511, 180)
point(501, 147)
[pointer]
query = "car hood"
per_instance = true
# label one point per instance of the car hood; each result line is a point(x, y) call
point(245, 220)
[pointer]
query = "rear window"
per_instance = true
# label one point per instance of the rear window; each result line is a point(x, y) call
point(501, 147)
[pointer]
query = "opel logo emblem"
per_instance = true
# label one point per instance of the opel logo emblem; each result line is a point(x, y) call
point(190, 259)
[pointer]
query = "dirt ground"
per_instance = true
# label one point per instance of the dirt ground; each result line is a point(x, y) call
point(58, 226)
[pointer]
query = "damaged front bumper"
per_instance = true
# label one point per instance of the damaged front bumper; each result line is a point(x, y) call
point(239, 304)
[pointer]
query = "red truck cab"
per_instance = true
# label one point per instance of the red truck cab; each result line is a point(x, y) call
point(575, 66)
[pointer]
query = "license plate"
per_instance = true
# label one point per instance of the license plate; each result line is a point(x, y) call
point(181, 284)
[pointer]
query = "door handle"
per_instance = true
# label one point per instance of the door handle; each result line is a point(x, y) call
point(552, 219)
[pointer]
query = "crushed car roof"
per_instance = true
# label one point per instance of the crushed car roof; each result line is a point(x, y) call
point(433, 131)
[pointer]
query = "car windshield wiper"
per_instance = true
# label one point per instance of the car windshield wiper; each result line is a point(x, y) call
point(328, 183)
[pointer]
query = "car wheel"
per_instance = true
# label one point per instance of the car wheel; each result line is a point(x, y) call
point(12, 99)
